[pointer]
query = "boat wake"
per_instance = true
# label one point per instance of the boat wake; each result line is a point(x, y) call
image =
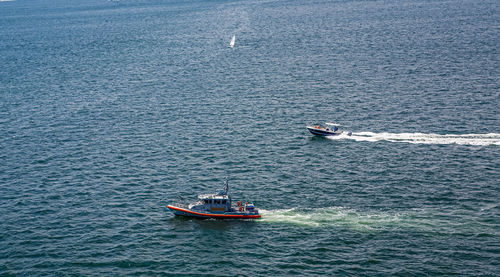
point(421, 138)
point(425, 221)
point(331, 216)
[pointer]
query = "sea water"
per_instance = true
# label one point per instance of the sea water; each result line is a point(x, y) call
point(110, 110)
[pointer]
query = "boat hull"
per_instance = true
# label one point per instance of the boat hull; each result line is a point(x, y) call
point(227, 215)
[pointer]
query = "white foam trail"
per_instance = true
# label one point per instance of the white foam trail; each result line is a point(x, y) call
point(330, 216)
point(370, 221)
point(421, 138)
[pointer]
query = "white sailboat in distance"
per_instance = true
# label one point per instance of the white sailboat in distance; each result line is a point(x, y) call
point(231, 44)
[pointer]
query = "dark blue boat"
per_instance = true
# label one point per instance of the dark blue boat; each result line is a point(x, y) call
point(330, 129)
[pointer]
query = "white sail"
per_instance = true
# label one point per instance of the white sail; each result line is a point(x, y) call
point(231, 44)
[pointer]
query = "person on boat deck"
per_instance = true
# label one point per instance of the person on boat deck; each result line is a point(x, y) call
point(335, 129)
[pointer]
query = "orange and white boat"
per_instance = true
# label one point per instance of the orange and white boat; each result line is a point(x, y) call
point(218, 205)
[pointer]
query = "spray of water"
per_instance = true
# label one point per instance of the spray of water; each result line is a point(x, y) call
point(421, 138)
point(331, 216)
point(425, 221)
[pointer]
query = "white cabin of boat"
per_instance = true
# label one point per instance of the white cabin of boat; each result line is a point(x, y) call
point(219, 202)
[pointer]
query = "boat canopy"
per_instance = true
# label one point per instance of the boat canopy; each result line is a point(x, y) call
point(212, 196)
point(332, 124)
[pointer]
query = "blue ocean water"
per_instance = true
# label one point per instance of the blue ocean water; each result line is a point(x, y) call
point(110, 110)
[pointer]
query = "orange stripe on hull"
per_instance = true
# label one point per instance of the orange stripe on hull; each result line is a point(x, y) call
point(214, 215)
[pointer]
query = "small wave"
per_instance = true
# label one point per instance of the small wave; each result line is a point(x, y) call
point(331, 216)
point(421, 138)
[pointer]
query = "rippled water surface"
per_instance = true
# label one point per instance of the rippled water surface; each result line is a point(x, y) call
point(110, 110)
